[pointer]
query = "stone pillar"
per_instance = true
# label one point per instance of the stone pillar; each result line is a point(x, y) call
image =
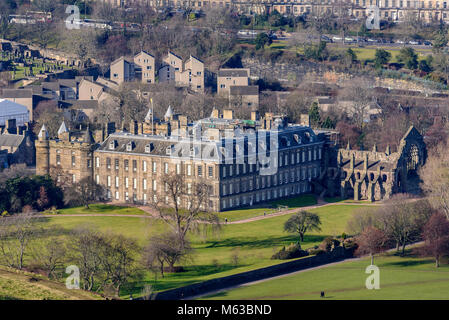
point(356, 190)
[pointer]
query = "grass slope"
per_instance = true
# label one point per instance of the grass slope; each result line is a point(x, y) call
point(16, 285)
point(254, 243)
point(408, 277)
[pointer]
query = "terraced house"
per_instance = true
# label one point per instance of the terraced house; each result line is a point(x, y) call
point(393, 10)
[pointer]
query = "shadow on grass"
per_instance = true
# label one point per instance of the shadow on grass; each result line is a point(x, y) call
point(408, 263)
point(4, 297)
point(263, 243)
point(192, 274)
point(221, 294)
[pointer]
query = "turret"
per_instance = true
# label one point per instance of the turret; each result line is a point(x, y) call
point(42, 152)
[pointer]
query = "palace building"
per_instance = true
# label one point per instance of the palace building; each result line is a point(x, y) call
point(243, 162)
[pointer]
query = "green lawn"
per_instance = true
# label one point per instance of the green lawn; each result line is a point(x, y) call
point(103, 209)
point(408, 277)
point(254, 243)
point(271, 207)
point(16, 285)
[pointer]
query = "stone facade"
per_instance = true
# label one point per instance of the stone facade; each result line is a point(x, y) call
point(130, 164)
point(244, 162)
point(375, 175)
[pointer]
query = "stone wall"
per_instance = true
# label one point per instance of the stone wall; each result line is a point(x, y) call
point(205, 287)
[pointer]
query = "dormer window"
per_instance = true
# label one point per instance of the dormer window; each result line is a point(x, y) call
point(149, 147)
point(168, 150)
point(297, 138)
point(130, 146)
point(112, 144)
point(193, 151)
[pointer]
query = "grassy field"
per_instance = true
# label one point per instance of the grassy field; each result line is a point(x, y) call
point(22, 286)
point(253, 243)
point(234, 215)
point(408, 277)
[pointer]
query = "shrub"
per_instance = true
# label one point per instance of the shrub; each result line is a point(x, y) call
point(316, 251)
point(292, 251)
point(329, 244)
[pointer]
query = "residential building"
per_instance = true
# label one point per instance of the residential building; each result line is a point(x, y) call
point(226, 78)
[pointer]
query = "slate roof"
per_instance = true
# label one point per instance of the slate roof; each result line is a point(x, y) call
point(244, 90)
point(11, 140)
point(233, 73)
point(17, 93)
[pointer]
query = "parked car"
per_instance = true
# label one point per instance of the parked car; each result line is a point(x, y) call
point(400, 41)
point(335, 38)
point(414, 42)
point(427, 43)
point(326, 38)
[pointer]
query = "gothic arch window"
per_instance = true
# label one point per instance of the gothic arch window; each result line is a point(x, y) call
point(413, 158)
point(371, 176)
point(384, 178)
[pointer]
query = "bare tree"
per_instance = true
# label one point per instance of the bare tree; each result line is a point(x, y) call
point(436, 237)
point(402, 220)
point(166, 248)
point(118, 260)
point(371, 241)
point(49, 254)
point(435, 178)
point(87, 245)
point(16, 232)
point(184, 208)
point(84, 192)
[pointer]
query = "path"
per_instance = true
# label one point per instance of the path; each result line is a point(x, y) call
point(293, 273)
point(272, 278)
point(152, 214)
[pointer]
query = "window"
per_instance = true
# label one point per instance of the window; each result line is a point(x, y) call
point(178, 168)
point(149, 147)
point(117, 182)
point(144, 166)
point(134, 183)
point(58, 159)
point(189, 170)
point(108, 163)
point(97, 179)
point(117, 195)
point(134, 165)
point(154, 167)
point(165, 167)
point(126, 165)
point(73, 161)
point(117, 164)
point(144, 184)
point(97, 162)
point(126, 182)
point(154, 185)
point(73, 178)
point(109, 181)
point(130, 146)
point(200, 171)
point(211, 171)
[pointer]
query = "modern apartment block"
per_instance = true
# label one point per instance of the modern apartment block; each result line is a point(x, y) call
point(140, 68)
point(189, 74)
point(226, 78)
